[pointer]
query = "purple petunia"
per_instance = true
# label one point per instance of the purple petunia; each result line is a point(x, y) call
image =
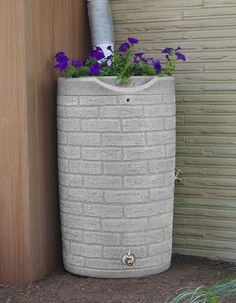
point(95, 69)
point(62, 66)
point(180, 56)
point(167, 50)
point(62, 61)
point(109, 57)
point(98, 48)
point(59, 53)
point(157, 65)
point(133, 40)
point(77, 63)
point(137, 57)
point(108, 60)
point(124, 47)
point(61, 57)
point(97, 53)
point(110, 48)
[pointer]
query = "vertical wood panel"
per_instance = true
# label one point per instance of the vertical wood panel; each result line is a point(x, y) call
point(31, 33)
point(14, 249)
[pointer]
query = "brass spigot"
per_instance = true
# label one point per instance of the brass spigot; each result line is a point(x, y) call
point(178, 175)
point(128, 258)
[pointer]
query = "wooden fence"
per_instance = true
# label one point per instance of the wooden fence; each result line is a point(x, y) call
point(31, 33)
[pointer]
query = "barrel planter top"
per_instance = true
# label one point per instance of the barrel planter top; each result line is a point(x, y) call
point(103, 86)
point(116, 162)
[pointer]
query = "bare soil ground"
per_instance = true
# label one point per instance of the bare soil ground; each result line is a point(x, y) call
point(62, 287)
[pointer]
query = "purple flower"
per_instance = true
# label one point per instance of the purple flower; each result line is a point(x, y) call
point(157, 65)
point(98, 48)
point(180, 56)
point(62, 61)
point(109, 57)
point(95, 69)
point(139, 56)
point(59, 53)
point(61, 57)
point(108, 60)
point(77, 63)
point(124, 47)
point(167, 50)
point(133, 40)
point(61, 66)
point(97, 53)
point(110, 48)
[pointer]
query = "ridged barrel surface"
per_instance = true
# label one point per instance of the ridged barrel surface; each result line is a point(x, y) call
point(116, 161)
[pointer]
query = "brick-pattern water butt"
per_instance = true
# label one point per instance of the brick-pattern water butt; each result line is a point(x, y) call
point(116, 162)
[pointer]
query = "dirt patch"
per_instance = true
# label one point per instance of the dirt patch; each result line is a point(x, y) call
point(62, 287)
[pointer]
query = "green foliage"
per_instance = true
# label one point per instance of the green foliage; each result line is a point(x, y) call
point(216, 294)
point(75, 72)
point(170, 64)
point(143, 69)
point(123, 67)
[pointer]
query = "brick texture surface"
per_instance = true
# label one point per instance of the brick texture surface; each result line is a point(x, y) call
point(205, 202)
point(116, 177)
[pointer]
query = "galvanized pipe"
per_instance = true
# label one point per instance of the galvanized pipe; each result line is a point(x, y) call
point(101, 25)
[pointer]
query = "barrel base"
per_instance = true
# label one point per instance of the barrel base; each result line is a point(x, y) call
point(116, 274)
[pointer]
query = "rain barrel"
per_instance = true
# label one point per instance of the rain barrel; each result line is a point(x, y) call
point(116, 166)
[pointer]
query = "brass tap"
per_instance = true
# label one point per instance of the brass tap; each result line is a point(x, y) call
point(128, 259)
point(178, 175)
